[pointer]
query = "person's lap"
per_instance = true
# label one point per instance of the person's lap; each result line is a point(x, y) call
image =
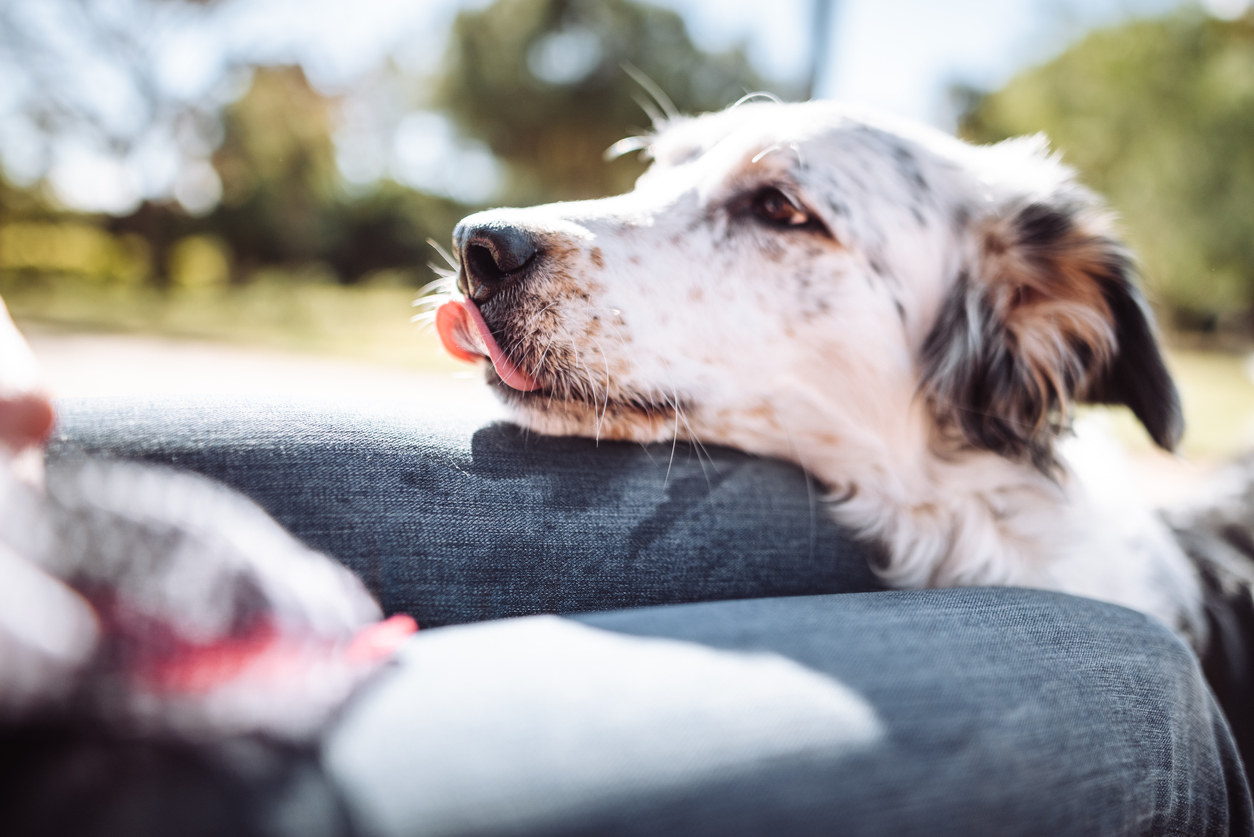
point(938, 711)
point(932, 712)
point(452, 522)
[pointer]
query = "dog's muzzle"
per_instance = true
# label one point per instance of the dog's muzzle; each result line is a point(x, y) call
point(494, 256)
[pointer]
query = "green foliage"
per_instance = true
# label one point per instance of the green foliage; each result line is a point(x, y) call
point(543, 84)
point(285, 205)
point(71, 246)
point(277, 167)
point(1158, 115)
point(388, 229)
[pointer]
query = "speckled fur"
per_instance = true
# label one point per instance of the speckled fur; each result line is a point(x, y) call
point(919, 349)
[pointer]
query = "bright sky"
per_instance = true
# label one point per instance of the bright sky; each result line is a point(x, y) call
point(900, 55)
point(896, 54)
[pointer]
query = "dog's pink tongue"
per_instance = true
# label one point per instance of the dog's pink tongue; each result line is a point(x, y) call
point(467, 337)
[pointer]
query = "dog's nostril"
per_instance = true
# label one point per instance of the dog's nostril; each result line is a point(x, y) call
point(481, 265)
point(492, 254)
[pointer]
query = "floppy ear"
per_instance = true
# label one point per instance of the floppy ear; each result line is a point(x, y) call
point(1046, 315)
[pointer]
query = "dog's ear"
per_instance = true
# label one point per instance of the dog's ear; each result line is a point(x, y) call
point(1045, 315)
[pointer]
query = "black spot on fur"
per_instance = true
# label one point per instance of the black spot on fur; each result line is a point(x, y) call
point(974, 380)
point(908, 167)
point(1041, 226)
point(960, 218)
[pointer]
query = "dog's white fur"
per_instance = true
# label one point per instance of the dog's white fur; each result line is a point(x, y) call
point(917, 342)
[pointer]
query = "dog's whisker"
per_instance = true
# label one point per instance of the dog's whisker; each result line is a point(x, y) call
point(674, 435)
point(448, 257)
point(770, 149)
point(605, 409)
point(587, 392)
point(665, 109)
point(442, 272)
point(650, 110)
point(673, 402)
point(431, 302)
point(532, 323)
point(626, 145)
point(544, 353)
point(444, 283)
point(519, 343)
point(692, 437)
point(757, 96)
point(698, 446)
point(644, 446)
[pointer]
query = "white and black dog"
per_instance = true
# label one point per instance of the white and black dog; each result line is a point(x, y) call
point(909, 317)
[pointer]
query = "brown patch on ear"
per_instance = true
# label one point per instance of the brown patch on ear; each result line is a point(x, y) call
point(1048, 316)
point(1044, 275)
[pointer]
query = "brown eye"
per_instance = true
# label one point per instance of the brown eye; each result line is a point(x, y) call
point(775, 208)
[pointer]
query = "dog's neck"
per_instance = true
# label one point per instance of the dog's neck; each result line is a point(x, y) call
point(951, 515)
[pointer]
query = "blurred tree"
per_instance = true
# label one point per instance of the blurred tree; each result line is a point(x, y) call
point(283, 202)
point(543, 84)
point(277, 166)
point(59, 54)
point(1159, 116)
point(388, 229)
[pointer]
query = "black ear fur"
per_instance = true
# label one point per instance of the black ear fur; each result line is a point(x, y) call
point(980, 386)
point(1137, 376)
point(1048, 316)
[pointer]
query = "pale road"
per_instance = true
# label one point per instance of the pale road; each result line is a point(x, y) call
point(90, 365)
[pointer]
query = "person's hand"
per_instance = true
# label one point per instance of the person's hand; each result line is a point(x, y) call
point(46, 629)
point(26, 415)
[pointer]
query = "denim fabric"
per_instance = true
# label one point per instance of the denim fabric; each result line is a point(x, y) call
point(451, 522)
point(938, 712)
point(957, 712)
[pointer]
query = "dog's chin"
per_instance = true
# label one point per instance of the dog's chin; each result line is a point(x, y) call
point(558, 410)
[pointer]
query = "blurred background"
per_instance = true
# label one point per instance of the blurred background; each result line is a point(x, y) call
point(239, 195)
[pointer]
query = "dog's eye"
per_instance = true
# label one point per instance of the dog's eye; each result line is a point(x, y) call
point(777, 209)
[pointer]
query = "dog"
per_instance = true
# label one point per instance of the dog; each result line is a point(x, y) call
point(911, 318)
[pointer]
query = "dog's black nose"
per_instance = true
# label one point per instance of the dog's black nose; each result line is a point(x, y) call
point(492, 256)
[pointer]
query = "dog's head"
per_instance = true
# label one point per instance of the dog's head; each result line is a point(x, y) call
point(792, 276)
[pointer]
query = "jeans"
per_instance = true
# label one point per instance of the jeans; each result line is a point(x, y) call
point(724, 662)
